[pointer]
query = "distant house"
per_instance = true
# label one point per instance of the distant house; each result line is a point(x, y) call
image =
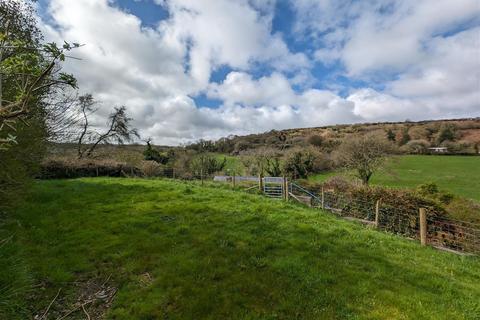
point(438, 149)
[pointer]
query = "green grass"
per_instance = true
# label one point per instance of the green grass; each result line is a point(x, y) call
point(214, 253)
point(457, 174)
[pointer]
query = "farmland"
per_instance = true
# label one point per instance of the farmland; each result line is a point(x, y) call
point(181, 251)
point(457, 174)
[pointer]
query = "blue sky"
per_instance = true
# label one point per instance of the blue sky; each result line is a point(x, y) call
point(190, 69)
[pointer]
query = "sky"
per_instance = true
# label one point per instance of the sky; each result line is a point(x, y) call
point(192, 69)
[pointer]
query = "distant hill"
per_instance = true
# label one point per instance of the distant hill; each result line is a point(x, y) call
point(459, 135)
point(463, 133)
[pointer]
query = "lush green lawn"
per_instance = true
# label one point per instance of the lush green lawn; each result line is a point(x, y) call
point(212, 253)
point(457, 174)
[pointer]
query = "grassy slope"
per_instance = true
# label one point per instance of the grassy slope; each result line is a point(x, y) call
point(457, 174)
point(217, 254)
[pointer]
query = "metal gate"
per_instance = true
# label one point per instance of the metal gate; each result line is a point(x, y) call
point(273, 187)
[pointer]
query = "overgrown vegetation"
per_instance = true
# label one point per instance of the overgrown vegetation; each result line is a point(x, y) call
point(30, 72)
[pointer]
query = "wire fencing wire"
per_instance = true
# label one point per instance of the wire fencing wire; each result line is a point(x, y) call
point(404, 219)
point(398, 219)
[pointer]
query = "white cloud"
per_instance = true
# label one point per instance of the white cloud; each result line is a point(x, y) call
point(155, 72)
point(279, 105)
point(240, 87)
point(436, 75)
point(373, 35)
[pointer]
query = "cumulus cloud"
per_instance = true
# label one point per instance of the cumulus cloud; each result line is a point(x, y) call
point(425, 53)
point(158, 71)
point(240, 87)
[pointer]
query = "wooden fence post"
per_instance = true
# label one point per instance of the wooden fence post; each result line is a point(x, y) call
point(285, 188)
point(423, 226)
point(377, 213)
point(233, 180)
point(201, 174)
point(323, 198)
point(260, 182)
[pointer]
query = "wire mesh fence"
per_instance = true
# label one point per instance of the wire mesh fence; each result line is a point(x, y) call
point(441, 230)
point(400, 219)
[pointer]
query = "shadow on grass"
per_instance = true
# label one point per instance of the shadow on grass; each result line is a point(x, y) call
point(222, 254)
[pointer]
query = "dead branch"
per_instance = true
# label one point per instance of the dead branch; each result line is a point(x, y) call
point(85, 311)
point(44, 316)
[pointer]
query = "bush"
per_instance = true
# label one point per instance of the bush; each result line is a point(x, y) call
point(74, 168)
point(151, 169)
point(299, 164)
point(404, 137)
point(315, 140)
point(240, 146)
point(447, 133)
point(151, 154)
point(428, 189)
point(445, 197)
point(398, 209)
point(416, 147)
point(431, 191)
point(204, 165)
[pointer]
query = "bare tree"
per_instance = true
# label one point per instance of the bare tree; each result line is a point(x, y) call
point(62, 116)
point(119, 128)
point(364, 155)
point(86, 103)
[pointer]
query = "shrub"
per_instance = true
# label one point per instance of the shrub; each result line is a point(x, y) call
point(299, 163)
point(337, 184)
point(398, 208)
point(204, 165)
point(151, 169)
point(64, 168)
point(416, 147)
point(241, 146)
point(404, 137)
point(315, 140)
point(391, 135)
point(431, 191)
point(447, 133)
point(151, 154)
point(445, 197)
point(428, 189)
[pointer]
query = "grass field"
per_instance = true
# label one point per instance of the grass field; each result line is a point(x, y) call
point(457, 174)
point(176, 250)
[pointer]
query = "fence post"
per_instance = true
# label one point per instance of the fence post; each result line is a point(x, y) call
point(423, 226)
point(233, 180)
point(260, 182)
point(201, 174)
point(285, 188)
point(173, 173)
point(377, 213)
point(323, 198)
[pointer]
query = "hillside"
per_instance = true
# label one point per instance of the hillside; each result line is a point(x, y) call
point(466, 135)
point(167, 249)
point(465, 131)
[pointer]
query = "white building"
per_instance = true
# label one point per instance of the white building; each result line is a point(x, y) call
point(438, 149)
